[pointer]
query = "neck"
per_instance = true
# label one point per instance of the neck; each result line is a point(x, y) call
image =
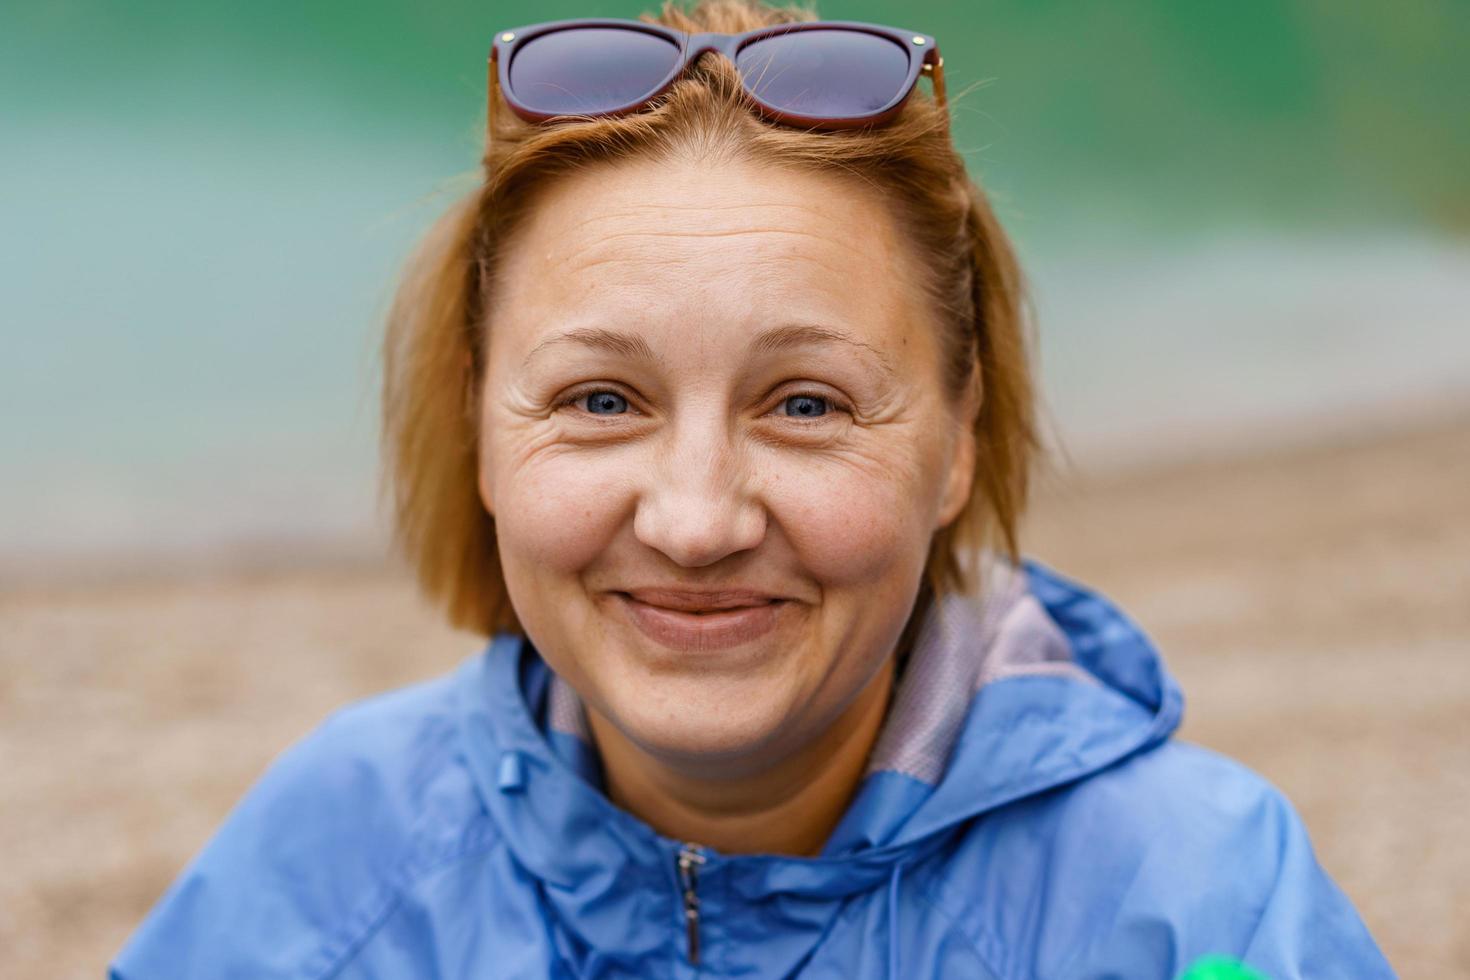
point(789, 807)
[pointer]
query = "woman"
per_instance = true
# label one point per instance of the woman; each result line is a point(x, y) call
point(696, 408)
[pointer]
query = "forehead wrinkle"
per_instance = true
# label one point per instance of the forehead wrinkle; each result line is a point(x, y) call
point(634, 237)
point(621, 213)
point(616, 258)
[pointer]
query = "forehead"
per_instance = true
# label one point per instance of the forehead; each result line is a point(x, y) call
point(726, 242)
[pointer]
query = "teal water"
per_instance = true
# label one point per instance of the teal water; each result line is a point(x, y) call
point(190, 339)
point(1236, 227)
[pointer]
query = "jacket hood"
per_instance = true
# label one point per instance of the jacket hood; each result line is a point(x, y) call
point(1034, 683)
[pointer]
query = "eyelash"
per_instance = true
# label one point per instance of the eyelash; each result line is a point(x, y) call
point(836, 404)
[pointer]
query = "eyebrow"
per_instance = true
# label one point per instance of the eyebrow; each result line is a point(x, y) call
point(776, 339)
point(807, 334)
point(599, 338)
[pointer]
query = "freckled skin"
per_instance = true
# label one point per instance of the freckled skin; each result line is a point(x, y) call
point(708, 478)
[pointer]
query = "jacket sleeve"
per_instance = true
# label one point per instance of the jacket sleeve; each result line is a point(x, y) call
point(1306, 926)
point(1215, 861)
point(255, 902)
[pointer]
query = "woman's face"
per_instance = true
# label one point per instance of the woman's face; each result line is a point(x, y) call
point(715, 384)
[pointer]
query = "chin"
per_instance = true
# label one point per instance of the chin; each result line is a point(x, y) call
point(703, 718)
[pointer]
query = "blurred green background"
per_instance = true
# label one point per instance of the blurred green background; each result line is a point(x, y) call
point(1240, 219)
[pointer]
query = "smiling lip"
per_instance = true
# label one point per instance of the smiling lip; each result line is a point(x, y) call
point(693, 621)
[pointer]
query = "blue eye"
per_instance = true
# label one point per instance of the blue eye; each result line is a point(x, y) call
point(606, 403)
point(805, 406)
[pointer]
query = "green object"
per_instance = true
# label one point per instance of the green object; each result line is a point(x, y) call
point(1221, 968)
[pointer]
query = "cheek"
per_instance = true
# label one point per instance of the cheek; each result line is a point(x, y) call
point(851, 525)
point(556, 513)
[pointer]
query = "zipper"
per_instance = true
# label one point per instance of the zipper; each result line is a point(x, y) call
point(689, 859)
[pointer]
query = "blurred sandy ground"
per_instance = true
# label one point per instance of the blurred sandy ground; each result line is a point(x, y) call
point(1314, 602)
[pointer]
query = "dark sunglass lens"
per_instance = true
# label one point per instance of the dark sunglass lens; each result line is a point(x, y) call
point(833, 73)
point(589, 69)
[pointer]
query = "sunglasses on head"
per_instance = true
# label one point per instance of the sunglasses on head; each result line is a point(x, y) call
point(818, 74)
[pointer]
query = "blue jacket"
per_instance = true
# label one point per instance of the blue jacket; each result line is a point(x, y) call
point(1025, 815)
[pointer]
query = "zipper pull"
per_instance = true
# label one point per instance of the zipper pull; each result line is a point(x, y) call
point(690, 858)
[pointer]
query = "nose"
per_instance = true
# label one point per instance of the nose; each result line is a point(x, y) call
point(696, 506)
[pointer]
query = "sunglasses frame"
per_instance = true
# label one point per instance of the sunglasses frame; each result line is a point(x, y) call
point(922, 51)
